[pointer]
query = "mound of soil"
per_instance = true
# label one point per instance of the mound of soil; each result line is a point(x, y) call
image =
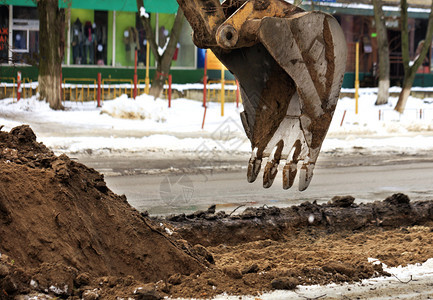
point(60, 226)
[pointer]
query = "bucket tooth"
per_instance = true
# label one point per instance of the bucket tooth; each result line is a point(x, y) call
point(254, 166)
point(271, 168)
point(305, 175)
point(289, 175)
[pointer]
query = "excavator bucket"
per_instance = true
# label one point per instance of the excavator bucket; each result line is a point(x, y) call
point(290, 66)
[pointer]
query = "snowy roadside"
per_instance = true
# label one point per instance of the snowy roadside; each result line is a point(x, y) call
point(124, 125)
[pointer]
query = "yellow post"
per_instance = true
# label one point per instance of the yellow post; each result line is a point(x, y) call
point(222, 91)
point(146, 80)
point(357, 78)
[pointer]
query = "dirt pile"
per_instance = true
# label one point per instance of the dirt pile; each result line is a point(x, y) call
point(60, 226)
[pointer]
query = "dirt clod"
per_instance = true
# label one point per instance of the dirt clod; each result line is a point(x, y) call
point(82, 279)
point(338, 267)
point(4, 271)
point(233, 272)
point(398, 199)
point(90, 295)
point(147, 293)
point(254, 268)
point(342, 201)
point(175, 279)
point(285, 283)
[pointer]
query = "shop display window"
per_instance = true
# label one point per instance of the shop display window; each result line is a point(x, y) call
point(25, 35)
point(93, 38)
point(4, 34)
point(88, 37)
point(185, 54)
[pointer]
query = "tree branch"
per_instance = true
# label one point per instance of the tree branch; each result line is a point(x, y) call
point(150, 35)
point(174, 34)
point(404, 35)
point(427, 41)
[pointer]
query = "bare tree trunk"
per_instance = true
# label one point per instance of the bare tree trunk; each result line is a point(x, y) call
point(410, 70)
point(51, 48)
point(382, 40)
point(163, 62)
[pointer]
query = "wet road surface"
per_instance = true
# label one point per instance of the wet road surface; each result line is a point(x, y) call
point(187, 191)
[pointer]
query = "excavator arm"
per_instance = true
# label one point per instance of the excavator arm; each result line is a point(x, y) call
point(290, 66)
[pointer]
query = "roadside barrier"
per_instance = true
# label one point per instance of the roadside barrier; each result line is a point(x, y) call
point(27, 91)
point(420, 113)
point(80, 87)
point(5, 86)
point(214, 91)
point(109, 82)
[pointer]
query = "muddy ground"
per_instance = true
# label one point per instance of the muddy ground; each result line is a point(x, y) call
point(64, 234)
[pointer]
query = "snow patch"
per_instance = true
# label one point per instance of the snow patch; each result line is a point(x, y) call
point(144, 107)
point(162, 50)
point(143, 13)
point(28, 105)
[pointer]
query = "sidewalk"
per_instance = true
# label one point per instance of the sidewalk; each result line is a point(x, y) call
point(126, 125)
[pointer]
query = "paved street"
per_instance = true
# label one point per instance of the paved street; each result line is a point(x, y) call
point(369, 179)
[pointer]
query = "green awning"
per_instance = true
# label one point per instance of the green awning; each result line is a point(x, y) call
point(161, 6)
point(357, 9)
point(18, 2)
point(153, 6)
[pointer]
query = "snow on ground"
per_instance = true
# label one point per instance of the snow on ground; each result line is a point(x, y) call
point(125, 124)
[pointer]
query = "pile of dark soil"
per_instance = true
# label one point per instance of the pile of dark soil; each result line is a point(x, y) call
point(60, 226)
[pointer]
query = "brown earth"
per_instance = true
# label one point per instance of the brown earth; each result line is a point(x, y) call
point(262, 249)
point(64, 233)
point(59, 222)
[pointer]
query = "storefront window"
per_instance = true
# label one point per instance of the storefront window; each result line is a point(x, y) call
point(93, 38)
point(4, 34)
point(25, 35)
point(126, 38)
point(88, 37)
point(101, 21)
point(20, 41)
point(185, 55)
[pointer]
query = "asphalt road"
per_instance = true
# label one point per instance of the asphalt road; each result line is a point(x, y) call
point(179, 190)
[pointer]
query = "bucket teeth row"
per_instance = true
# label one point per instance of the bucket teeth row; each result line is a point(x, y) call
point(290, 66)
